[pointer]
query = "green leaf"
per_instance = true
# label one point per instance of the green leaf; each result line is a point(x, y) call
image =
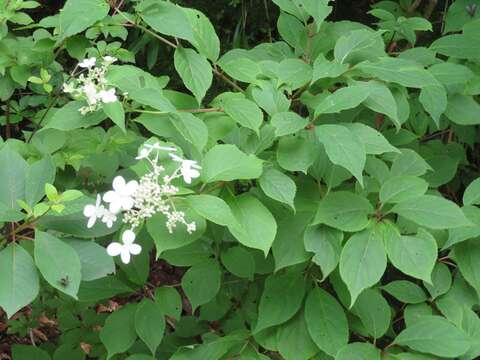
point(26, 352)
point(213, 209)
point(471, 196)
point(201, 282)
point(295, 73)
point(257, 225)
point(409, 163)
point(290, 287)
point(166, 18)
point(413, 255)
point(38, 174)
point(164, 240)
point(245, 112)
point(375, 143)
point(318, 9)
point(434, 335)
point(278, 186)
point(449, 73)
point(326, 321)
point(190, 128)
point(294, 342)
point(457, 46)
point(382, 100)
point(295, 153)
point(239, 262)
point(18, 280)
point(432, 211)
point(287, 123)
point(374, 312)
point(74, 19)
point(343, 148)
point(58, 262)
point(206, 40)
point(240, 68)
point(344, 210)
point(362, 262)
point(114, 111)
point(402, 188)
point(358, 351)
point(404, 72)
point(69, 117)
point(463, 110)
point(95, 262)
point(467, 257)
point(322, 68)
point(104, 288)
point(150, 324)
point(13, 172)
point(405, 291)
point(343, 99)
point(326, 243)
point(358, 45)
point(169, 301)
point(226, 163)
point(194, 70)
point(441, 281)
point(118, 333)
point(434, 101)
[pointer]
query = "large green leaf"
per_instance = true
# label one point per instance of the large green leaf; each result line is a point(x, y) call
point(359, 45)
point(38, 174)
point(118, 333)
point(18, 279)
point(401, 188)
point(362, 262)
point(457, 46)
point(471, 196)
point(58, 262)
point(343, 99)
point(294, 341)
point(344, 148)
point(374, 142)
point(295, 153)
point(326, 321)
point(95, 261)
point(287, 123)
point(205, 38)
point(213, 209)
point(278, 186)
point(245, 112)
point(201, 282)
point(74, 19)
point(358, 351)
point(434, 335)
point(467, 257)
point(150, 324)
point(13, 172)
point(374, 312)
point(463, 110)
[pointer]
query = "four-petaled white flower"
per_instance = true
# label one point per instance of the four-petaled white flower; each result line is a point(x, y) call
point(109, 218)
point(94, 212)
point(88, 63)
point(90, 92)
point(121, 197)
point(107, 96)
point(188, 168)
point(126, 248)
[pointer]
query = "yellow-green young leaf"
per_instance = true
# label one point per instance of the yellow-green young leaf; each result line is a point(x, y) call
point(257, 225)
point(326, 321)
point(326, 243)
point(463, 110)
point(166, 18)
point(441, 281)
point(226, 163)
point(278, 186)
point(471, 196)
point(344, 210)
point(164, 240)
point(402, 188)
point(374, 312)
point(13, 172)
point(405, 291)
point(206, 39)
point(435, 335)
point(295, 153)
point(467, 257)
point(114, 111)
point(74, 18)
point(344, 148)
point(412, 255)
point(38, 174)
point(343, 99)
point(201, 282)
point(150, 324)
point(118, 334)
point(358, 351)
point(18, 279)
point(432, 211)
point(434, 101)
point(169, 301)
point(290, 287)
point(287, 123)
point(194, 70)
point(58, 262)
point(245, 112)
point(293, 340)
point(363, 261)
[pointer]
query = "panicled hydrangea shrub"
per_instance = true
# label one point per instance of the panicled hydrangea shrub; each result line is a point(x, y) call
point(91, 84)
point(137, 201)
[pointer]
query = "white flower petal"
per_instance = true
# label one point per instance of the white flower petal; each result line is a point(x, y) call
point(115, 206)
point(128, 237)
point(118, 184)
point(130, 188)
point(89, 210)
point(110, 196)
point(114, 249)
point(125, 255)
point(134, 249)
point(91, 221)
point(127, 203)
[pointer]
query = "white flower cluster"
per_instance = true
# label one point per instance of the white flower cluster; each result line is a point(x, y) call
point(141, 200)
point(92, 86)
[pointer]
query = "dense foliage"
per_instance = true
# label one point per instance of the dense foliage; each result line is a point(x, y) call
point(166, 195)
